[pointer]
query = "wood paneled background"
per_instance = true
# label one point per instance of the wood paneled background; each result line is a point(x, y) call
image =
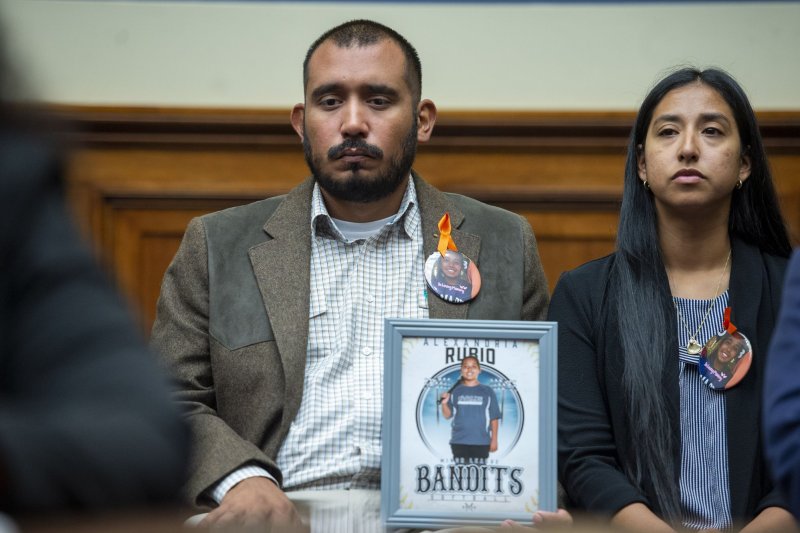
point(136, 176)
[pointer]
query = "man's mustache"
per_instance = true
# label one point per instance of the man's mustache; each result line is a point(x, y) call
point(361, 145)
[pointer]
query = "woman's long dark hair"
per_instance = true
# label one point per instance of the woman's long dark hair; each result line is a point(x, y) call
point(640, 285)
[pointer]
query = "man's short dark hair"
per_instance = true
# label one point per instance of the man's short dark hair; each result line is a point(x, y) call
point(364, 33)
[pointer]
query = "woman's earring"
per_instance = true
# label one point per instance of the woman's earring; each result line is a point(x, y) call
point(646, 185)
point(739, 184)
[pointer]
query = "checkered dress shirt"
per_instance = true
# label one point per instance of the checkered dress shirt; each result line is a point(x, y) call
point(335, 440)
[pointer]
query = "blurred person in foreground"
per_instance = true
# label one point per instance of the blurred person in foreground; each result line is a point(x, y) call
point(85, 417)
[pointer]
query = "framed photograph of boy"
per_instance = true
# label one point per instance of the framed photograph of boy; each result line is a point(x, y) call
point(469, 422)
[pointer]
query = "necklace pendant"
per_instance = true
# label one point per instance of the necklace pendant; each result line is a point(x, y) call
point(693, 347)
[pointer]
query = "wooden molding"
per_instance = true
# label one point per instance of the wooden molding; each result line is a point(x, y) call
point(529, 130)
point(136, 176)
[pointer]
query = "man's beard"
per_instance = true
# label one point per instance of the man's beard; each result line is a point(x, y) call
point(357, 187)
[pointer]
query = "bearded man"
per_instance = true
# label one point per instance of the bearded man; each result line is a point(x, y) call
point(271, 314)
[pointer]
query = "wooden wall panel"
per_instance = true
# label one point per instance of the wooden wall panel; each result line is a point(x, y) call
point(137, 176)
point(567, 239)
point(144, 242)
point(786, 171)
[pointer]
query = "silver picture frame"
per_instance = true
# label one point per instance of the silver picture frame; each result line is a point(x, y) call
point(422, 484)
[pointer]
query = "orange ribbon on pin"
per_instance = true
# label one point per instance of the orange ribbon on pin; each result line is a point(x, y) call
point(445, 240)
point(727, 325)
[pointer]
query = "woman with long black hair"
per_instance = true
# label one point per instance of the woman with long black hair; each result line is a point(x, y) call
point(701, 251)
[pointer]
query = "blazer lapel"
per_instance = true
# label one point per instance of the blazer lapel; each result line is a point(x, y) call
point(743, 402)
point(282, 269)
point(432, 205)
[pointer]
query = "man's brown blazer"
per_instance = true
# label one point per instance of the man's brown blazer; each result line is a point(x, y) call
point(232, 321)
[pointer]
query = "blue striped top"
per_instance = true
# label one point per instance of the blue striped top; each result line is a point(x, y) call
point(704, 484)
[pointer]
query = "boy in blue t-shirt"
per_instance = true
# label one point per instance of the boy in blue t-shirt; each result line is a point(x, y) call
point(473, 407)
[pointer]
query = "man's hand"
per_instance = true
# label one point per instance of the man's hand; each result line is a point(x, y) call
point(445, 396)
point(493, 444)
point(255, 500)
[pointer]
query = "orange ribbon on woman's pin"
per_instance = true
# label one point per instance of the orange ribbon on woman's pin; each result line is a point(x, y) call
point(445, 240)
point(727, 325)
